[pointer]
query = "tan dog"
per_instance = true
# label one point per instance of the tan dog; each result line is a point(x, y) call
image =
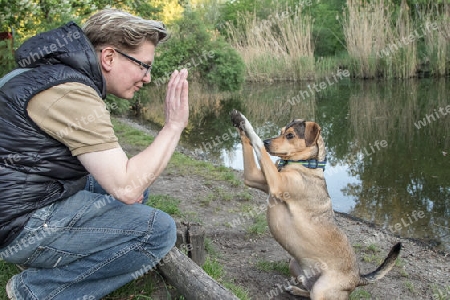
point(299, 214)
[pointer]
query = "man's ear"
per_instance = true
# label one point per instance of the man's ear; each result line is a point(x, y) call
point(107, 58)
point(312, 132)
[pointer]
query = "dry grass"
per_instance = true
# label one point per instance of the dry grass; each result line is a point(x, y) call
point(362, 23)
point(278, 48)
point(382, 41)
point(437, 47)
point(378, 43)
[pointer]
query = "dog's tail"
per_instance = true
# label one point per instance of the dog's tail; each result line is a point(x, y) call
point(383, 269)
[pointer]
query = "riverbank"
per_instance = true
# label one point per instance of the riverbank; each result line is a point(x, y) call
point(241, 253)
point(239, 243)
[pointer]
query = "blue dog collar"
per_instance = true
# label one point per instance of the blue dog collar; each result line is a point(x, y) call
point(310, 163)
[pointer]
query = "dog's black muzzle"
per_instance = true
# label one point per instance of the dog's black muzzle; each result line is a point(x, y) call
point(267, 144)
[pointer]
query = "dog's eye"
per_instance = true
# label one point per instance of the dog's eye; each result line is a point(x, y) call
point(289, 136)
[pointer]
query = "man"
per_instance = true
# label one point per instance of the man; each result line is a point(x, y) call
point(71, 211)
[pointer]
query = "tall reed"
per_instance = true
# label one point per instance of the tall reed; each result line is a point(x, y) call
point(362, 24)
point(404, 60)
point(278, 48)
point(378, 44)
point(437, 49)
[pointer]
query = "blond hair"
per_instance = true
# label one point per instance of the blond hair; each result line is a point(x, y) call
point(122, 30)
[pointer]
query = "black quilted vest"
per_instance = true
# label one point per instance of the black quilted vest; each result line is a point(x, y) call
point(35, 169)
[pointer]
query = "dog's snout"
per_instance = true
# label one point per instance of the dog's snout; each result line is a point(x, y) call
point(267, 144)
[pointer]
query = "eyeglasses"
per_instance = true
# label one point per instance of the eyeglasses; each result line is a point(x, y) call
point(147, 68)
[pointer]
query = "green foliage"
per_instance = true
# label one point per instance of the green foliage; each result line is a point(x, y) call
point(29, 17)
point(6, 57)
point(230, 11)
point(192, 46)
point(227, 68)
point(117, 105)
point(328, 34)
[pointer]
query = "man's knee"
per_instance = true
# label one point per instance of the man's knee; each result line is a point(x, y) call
point(167, 230)
point(171, 231)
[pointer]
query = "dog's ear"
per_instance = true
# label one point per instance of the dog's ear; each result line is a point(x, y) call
point(283, 129)
point(312, 132)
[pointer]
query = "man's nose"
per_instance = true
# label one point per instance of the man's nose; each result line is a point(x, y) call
point(147, 77)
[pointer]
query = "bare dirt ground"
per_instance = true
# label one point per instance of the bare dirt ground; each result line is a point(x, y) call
point(421, 272)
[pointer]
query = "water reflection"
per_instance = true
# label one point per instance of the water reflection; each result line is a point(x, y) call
point(386, 152)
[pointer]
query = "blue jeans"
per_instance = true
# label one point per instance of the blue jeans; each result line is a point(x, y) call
point(87, 245)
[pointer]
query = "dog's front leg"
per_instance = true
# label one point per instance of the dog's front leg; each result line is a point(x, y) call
point(268, 168)
point(253, 177)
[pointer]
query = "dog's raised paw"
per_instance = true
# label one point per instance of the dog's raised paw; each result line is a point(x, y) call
point(237, 119)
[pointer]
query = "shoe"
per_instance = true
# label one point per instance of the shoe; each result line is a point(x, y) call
point(9, 291)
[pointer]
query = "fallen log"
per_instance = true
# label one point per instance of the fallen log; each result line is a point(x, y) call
point(190, 280)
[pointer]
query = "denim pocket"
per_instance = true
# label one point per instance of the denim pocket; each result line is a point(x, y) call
point(41, 214)
point(48, 257)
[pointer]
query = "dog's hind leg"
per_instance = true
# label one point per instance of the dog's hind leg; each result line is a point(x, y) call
point(299, 278)
point(295, 290)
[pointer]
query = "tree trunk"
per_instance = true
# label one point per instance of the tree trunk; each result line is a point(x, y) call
point(190, 280)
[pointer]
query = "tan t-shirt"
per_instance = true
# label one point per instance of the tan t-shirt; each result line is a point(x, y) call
point(75, 115)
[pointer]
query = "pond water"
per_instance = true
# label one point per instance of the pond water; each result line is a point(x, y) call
point(387, 144)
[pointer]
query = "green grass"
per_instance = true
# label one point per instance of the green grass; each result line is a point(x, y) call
point(238, 291)
point(372, 258)
point(218, 194)
point(373, 248)
point(245, 196)
point(210, 249)
point(373, 255)
point(259, 225)
point(279, 266)
point(141, 289)
point(359, 294)
point(183, 165)
point(130, 135)
point(439, 292)
point(358, 247)
point(400, 263)
point(179, 163)
point(410, 286)
point(223, 194)
point(165, 203)
point(6, 272)
point(214, 269)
